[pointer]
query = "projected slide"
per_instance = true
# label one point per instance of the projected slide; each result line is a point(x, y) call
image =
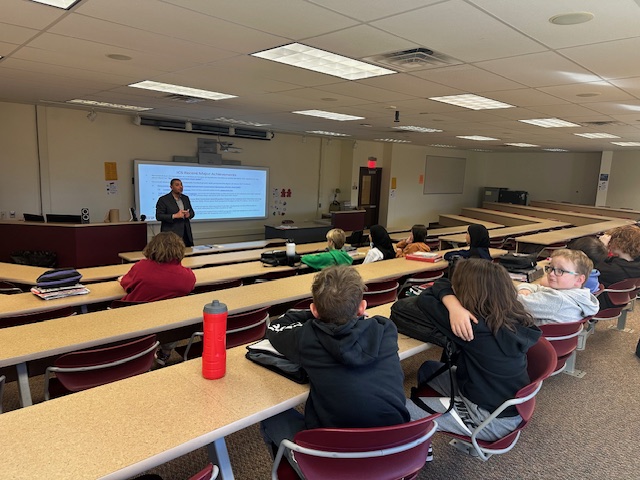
point(216, 192)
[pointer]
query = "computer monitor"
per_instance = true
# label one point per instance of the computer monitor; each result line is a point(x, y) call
point(32, 217)
point(57, 218)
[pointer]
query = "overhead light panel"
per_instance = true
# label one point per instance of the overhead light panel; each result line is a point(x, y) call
point(331, 134)
point(93, 103)
point(64, 4)
point(391, 140)
point(521, 145)
point(411, 128)
point(180, 90)
point(473, 102)
point(309, 58)
point(328, 115)
point(549, 122)
point(479, 138)
point(596, 135)
point(627, 144)
point(555, 150)
point(442, 146)
point(240, 122)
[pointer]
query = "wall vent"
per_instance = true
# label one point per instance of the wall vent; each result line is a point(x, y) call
point(414, 58)
point(174, 97)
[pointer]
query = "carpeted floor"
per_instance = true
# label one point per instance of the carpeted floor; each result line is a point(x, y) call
point(582, 428)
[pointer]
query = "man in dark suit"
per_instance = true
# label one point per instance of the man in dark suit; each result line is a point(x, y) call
point(174, 211)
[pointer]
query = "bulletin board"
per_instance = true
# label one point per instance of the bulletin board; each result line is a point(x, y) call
point(444, 174)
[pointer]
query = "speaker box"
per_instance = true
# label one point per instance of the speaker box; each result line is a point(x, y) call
point(84, 215)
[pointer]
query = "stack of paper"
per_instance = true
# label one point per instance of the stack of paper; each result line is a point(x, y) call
point(59, 292)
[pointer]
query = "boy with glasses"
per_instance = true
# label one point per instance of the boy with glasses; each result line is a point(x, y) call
point(560, 297)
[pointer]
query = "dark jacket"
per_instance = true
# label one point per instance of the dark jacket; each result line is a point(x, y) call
point(165, 208)
point(491, 368)
point(614, 270)
point(354, 370)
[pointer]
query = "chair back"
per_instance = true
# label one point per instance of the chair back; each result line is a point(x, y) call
point(16, 320)
point(379, 293)
point(541, 362)
point(86, 369)
point(303, 304)
point(8, 288)
point(563, 338)
point(214, 287)
point(247, 327)
point(208, 473)
point(123, 303)
point(380, 462)
point(619, 293)
point(275, 275)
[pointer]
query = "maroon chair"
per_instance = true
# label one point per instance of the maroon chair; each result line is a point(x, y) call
point(541, 362)
point(303, 304)
point(564, 340)
point(275, 275)
point(420, 279)
point(27, 318)
point(208, 473)
point(619, 295)
point(214, 287)
point(8, 288)
point(123, 303)
point(379, 293)
point(2, 379)
point(86, 369)
point(380, 453)
point(242, 328)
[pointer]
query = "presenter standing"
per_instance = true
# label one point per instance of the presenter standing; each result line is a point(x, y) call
point(174, 211)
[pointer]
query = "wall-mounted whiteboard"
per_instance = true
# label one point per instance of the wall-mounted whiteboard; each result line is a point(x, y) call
point(444, 174)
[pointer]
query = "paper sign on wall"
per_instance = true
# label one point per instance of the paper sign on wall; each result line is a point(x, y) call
point(110, 171)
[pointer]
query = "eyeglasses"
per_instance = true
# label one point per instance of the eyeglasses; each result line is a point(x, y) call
point(558, 271)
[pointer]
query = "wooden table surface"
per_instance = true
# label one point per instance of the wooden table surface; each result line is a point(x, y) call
point(507, 231)
point(568, 234)
point(506, 218)
point(574, 207)
point(574, 218)
point(448, 220)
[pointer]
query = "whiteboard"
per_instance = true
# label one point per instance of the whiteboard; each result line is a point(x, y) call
point(444, 174)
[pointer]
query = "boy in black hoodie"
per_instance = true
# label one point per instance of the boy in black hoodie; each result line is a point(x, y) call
point(355, 375)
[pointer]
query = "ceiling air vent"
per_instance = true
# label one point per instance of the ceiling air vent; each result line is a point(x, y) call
point(184, 98)
point(414, 58)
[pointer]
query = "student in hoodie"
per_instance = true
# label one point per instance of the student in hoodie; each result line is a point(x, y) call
point(597, 252)
point(478, 240)
point(561, 297)
point(414, 242)
point(355, 375)
point(381, 245)
point(491, 367)
point(334, 254)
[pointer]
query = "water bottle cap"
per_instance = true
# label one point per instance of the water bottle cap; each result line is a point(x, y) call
point(215, 307)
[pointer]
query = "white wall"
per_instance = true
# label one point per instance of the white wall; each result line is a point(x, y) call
point(624, 183)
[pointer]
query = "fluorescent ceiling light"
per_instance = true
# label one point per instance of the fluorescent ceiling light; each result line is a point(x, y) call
point(331, 134)
point(442, 146)
point(410, 128)
point(391, 140)
point(474, 102)
point(64, 4)
point(627, 144)
point(93, 103)
point(555, 150)
point(187, 91)
point(240, 122)
point(549, 122)
point(521, 145)
point(596, 135)
point(328, 115)
point(477, 137)
point(309, 58)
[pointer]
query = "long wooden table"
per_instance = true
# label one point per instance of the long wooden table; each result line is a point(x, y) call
point(119, 430)
point(574, 218)
point(448, 220)
point(568, 234)
point(461, 238)
point(62, 335)
point(505, 218)
point(574, 207)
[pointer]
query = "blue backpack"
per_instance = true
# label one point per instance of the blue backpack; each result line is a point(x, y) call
point(59, 277)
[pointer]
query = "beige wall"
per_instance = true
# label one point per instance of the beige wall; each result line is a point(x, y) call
point(624, 183)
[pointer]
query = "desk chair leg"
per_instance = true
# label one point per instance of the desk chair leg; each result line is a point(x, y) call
point(622, 322)
point(218, 454)
point(23, 385)
point(570, 367)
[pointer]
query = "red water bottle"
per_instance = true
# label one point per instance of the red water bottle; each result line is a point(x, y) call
point(214, 342)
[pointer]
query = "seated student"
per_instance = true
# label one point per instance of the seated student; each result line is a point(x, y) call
point(381, 245)
point(478, 241)
point(355, 375)
point(492, 366)
point(561, 297)
point(334, 254)
point(597, 252)
point(624, 244)
point(159, 276)
point(414, 242)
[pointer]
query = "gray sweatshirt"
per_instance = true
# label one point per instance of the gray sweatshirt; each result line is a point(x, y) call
point(548, 305)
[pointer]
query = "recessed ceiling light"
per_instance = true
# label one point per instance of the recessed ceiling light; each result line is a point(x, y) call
point(627, 144)
point(573, 18)
point(309, 58)
point(328, 115)
point(596, 135)
point(239, 122)
point(555, 150)
point(481, 150)
point(480, 138)
point(180, 90)
point(411, 128)
point(391, 140)
point(93, 103)
point(521, 145)
point(442, 146)
point(549, 122)
point(331, 134)
point(117, 56)
point(64, 4)
point(368, 125)
point(474, 102)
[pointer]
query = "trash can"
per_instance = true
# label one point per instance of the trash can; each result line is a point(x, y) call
point(35, 258)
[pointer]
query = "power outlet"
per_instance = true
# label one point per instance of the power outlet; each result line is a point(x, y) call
point(12, 214)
